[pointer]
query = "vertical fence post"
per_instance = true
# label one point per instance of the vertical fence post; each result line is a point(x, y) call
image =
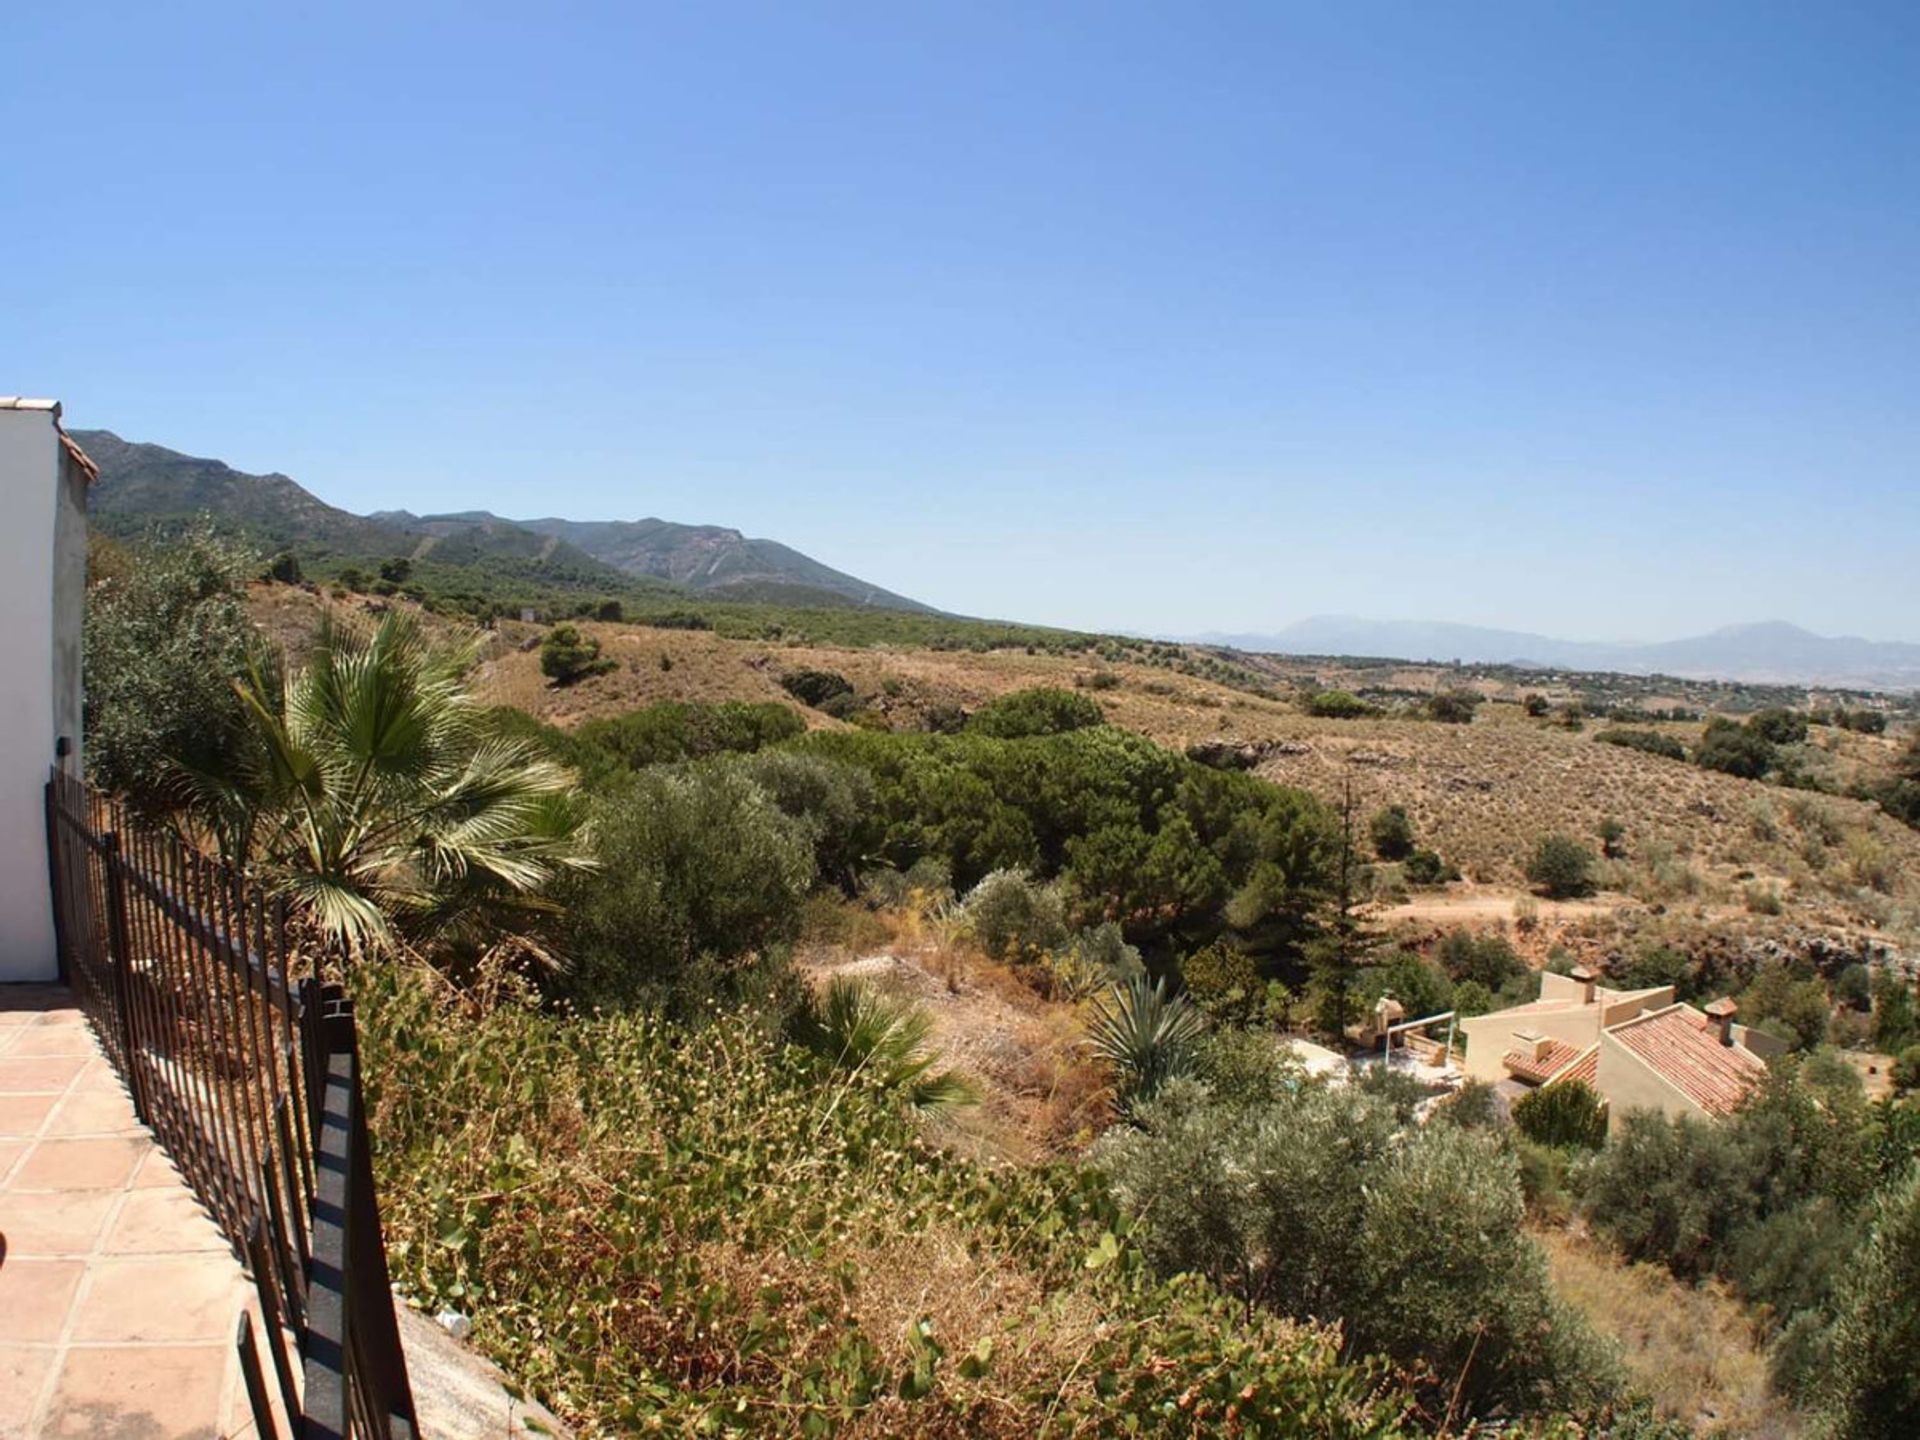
point(120, 962)
point(57, 877)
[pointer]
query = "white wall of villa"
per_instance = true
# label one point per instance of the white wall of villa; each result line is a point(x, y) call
point(43, 560)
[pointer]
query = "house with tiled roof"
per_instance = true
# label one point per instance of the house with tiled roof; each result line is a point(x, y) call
point(1638, 1049)
point(1531, 1043)
point(1680, 1061)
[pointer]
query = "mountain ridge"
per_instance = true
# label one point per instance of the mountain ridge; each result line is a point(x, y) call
point(1760, 652)
point(142, 483)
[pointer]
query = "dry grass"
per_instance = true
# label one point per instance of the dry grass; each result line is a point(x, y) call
point(1040, 1096)
point(1691, 1349)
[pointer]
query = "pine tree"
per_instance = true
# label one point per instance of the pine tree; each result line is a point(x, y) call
point(1346, 938)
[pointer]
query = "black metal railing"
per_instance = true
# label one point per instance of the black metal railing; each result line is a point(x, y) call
point(248, 1075)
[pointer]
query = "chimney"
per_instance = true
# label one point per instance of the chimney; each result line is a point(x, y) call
point(1533, 1043)
point(1721, 1012)
point(1586, 979)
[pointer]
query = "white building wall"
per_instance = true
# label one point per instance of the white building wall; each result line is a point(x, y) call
point(32, 478)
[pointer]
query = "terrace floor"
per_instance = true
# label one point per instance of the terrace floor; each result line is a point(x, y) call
point(118, 1296)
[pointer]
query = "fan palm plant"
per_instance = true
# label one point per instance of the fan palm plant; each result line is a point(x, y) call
point(372, 794)
point(856, 1029)
point(1148, 1036)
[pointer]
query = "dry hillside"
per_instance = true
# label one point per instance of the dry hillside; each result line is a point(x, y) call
point(1698, 844)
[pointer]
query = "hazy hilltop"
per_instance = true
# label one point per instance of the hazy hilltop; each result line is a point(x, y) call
point(1771, 652)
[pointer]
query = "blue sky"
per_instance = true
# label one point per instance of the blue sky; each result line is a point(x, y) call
point(1597, 320)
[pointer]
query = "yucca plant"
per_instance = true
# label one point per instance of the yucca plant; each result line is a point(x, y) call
point(856, 1029)
point(370, 791)
point(1148, 1036)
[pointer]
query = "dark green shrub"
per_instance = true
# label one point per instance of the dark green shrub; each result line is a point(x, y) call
point(1453, 707)
point(284, 568)
point(609, 610)
point(1653, 742)
point(1222, 980)
point(1561, 867)
point(1042, 710)
point(1726, 747)
point(815, 687)
point(1391, 831)
point(567, 656)
point(1895, 1023)
point(1425, 867)
point(1336, 705)
point(1567, 1113)
point(1612, 832)
point(1423, 988)
point(1656, 965)
point(1779, 726)
point(678, 620)
point(675, 730)
point(1486, 959)
point(1535, 705)
point(397, 570)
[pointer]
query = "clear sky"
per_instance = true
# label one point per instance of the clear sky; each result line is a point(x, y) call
point(1600, 320)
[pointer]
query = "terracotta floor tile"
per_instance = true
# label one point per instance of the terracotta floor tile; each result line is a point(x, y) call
point(38, 1073)
point(51, 1040)
point(201, 1301)
point(162, 1221)
point(55, 1223)
point(139, 1393)
point(10, 1151)
point(23, 1115)
point(23, 1373)
point(35, 1296)
point(92, 1164)
point(94, 1112)
point(156, 1171)
point(9, 1034)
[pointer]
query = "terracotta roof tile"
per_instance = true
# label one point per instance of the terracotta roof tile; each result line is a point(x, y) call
point(79, 457)
point(1523, 1065)
point(1585, 1069)
point(1684, 1047)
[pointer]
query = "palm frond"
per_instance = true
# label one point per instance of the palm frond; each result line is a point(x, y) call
point(856, 1029)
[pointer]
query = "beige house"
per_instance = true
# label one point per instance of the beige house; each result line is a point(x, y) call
point(1640, 1049)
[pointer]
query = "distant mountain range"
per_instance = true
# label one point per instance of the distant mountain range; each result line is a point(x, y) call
point(143, 484)
point(1772, 652)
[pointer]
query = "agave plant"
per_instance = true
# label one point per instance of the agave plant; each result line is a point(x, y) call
point(856, 1029)
point(1148, 1036)
point(371, 793)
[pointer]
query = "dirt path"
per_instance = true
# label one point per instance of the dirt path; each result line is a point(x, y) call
point(1477, 905)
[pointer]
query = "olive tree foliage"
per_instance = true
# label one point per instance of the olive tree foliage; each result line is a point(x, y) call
point(166, 636)
point(1321, 1202)
point(1871, 1389)
point(699, 890)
